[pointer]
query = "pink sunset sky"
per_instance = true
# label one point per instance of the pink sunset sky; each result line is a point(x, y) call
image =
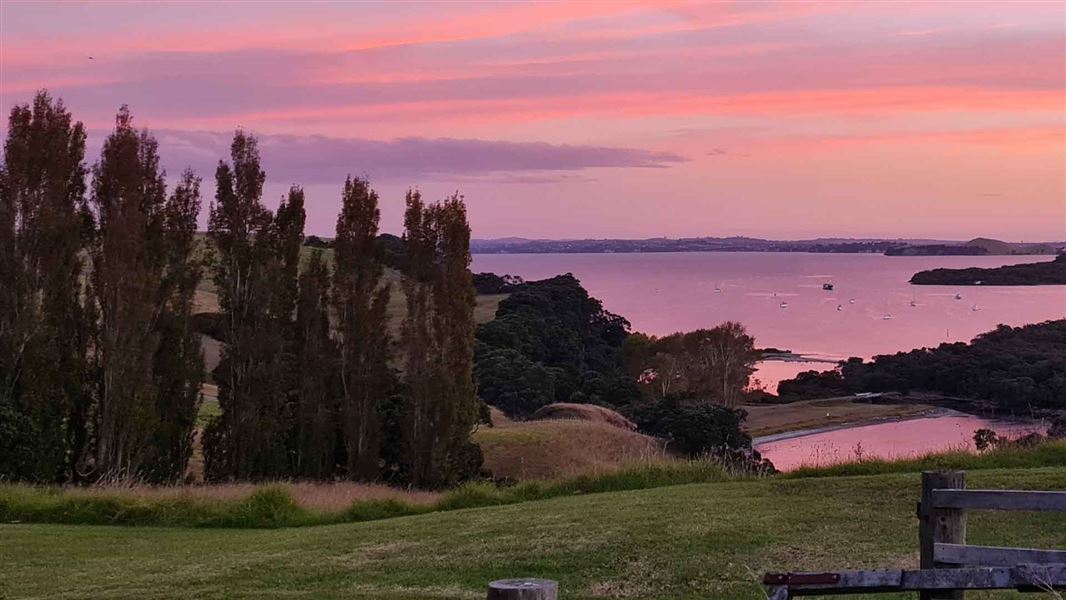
point(586, 119)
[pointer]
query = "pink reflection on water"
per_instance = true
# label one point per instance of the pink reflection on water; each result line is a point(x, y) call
point(898, 439)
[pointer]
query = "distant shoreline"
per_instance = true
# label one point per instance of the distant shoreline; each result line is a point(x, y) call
point(888, 247)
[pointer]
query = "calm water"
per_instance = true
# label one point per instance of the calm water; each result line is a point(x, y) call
point(663, 293)
point(902, 439)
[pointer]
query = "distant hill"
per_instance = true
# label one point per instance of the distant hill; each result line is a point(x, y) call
point(991, 246)
point(974, 247)
point(1042, 273)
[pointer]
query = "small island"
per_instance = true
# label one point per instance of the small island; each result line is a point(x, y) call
point(1041, 273)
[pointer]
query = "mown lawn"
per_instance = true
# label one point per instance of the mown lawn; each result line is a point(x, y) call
point(691, 541)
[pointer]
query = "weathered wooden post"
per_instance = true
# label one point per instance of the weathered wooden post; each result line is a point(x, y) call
point(524, 589)
point(945, 525)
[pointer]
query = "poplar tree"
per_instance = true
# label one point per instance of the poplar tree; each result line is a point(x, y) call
point(44, 223)
point(128, 260)
point(438, 338)
point(239, 230)
point(361, 299)
point(316, 428)
point(256, 269)
point(179, 359)
point(276, 341)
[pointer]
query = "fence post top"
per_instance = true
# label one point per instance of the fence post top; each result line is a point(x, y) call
point(943, 472)
point(523, 583)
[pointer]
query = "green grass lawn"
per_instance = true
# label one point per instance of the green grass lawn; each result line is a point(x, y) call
point(690, 541)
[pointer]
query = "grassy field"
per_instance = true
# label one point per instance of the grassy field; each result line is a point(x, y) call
point(691, 541)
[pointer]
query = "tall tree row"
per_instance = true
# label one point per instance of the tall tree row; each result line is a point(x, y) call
point(101, 364)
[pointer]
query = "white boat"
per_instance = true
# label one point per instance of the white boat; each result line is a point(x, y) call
point(840, 307)
point(958, 296)
point(852, 301)
point(717, 289)
point(913, 303)
point(886, 317)
point(975, 308)
point(783, 305)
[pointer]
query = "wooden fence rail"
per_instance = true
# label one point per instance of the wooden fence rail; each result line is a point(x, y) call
point(949, 566)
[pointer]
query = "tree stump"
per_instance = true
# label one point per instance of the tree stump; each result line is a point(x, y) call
point(523, 589)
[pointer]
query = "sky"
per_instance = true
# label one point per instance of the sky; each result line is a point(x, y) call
point(587, 120)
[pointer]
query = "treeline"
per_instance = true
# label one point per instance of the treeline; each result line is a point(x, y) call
point(100, 362)
point(1051, 272)
point(1014, 369)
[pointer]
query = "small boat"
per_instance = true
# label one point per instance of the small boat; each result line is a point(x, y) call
point(958, 296)
point(913, 303)
point(827, 286)
point(783, 305)
point(717, 289)
point(975, 308)
point(840, 307)
point(852, 301)
point(886, 317)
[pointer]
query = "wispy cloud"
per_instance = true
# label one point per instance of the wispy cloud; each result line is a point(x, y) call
point(310, 159)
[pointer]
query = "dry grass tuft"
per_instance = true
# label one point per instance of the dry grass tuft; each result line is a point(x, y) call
point(317, 496)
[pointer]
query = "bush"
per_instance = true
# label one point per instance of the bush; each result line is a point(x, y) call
point(812, 384)
point(691, 427)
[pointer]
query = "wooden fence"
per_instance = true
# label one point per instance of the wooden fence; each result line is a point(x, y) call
point(948, 566)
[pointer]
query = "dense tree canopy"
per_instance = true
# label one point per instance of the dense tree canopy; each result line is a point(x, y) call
point(1014, 368)
point(552, 334)
point(1052, 272)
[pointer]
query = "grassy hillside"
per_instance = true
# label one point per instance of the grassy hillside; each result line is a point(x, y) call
point(691, 541)
point(555, 449)
point(999, 247)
